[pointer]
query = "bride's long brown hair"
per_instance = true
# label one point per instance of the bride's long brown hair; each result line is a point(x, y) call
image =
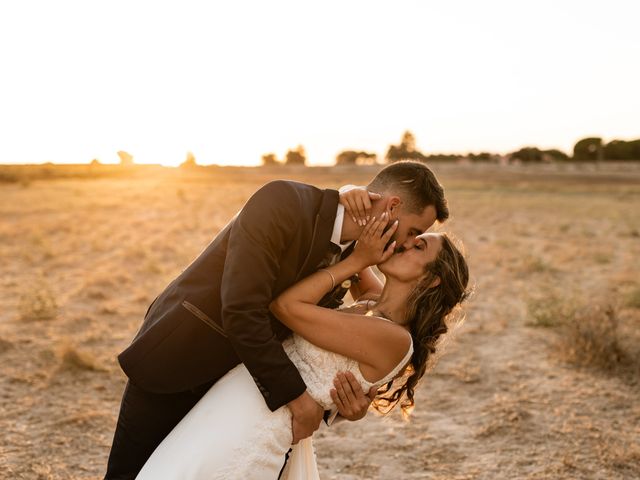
point(429, 308)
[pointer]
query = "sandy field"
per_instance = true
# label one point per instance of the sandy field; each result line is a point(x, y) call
point(541, 381)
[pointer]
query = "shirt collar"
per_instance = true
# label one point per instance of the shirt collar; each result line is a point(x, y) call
point(337, 229)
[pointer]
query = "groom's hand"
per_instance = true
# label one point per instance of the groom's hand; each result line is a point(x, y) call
point(307, 415)
point(349, 397)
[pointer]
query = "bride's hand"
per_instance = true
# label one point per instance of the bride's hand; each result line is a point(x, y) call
point(370, 249)
point(357, 204)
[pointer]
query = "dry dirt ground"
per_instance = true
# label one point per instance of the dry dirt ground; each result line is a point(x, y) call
point(520, 392)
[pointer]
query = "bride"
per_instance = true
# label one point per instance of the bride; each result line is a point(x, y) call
point(231, 434)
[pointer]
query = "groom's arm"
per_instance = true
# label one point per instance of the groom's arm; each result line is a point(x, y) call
point(258, 242)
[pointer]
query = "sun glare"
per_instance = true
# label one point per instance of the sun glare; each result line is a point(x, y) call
point(463, 77)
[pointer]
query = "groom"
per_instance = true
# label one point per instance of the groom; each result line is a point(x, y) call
point(215, 314)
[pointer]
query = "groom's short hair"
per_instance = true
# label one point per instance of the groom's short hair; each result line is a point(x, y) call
point(415, 184)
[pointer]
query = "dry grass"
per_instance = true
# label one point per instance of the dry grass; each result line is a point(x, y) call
point(550, 310)
point(519, 394)
point(37, 302)
point(592, 339)
point(633, 298)
point(588, 332)
point(71, 359)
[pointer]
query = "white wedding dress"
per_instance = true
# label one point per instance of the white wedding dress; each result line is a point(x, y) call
point(231, 434)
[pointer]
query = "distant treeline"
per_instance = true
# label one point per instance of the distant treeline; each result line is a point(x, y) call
point(586, 150)
point(24, 174)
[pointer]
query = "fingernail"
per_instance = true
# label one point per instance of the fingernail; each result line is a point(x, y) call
point(368, 217)
point(354, 220)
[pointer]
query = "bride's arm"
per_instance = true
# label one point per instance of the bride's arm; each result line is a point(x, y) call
point(359, 337)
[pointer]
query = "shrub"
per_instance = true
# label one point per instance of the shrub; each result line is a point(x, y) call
point(72, 359)
point(550, 311)
point(352, 157)
point(591, 339)
point(296, 156)
point(269, 159)
point(38, 303)
point(589, 335)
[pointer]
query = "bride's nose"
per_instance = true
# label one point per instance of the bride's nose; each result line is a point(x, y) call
point(408, 244)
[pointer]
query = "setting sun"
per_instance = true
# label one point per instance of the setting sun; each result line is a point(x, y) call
point(232, 81)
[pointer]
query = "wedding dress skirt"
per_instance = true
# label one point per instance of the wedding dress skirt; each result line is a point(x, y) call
point(231, 433)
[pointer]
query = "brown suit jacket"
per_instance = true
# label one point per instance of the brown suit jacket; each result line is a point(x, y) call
point(215, 314)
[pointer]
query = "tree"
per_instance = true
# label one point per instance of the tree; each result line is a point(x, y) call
point(481, 157)
point(125, 158)
point(406, 150)
point(535, 155)
point(527, 155)
point(588, 149)
point(622, 150)
point(189, 162)
point(440, 157)
point(554, 155)
point(351, 157)
point(408, 142)
point(296, 157)
point(269, 159)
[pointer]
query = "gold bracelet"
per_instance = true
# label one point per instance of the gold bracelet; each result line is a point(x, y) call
point(333, 279)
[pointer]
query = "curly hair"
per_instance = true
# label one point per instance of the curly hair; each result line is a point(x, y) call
point(429, 310)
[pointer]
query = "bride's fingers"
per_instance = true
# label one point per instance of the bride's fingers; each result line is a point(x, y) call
point(379, 226)
point(367, 227)
point(362, 214)
point(390, 231)
point(351, 209)
point(372, 227)
point(388, 252)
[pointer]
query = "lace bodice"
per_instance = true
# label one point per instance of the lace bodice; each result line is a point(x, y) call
point(318, 368)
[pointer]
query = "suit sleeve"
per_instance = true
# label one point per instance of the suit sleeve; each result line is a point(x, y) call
point(257, 244)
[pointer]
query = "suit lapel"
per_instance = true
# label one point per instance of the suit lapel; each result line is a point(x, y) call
point(321, 236)
point(347, 251)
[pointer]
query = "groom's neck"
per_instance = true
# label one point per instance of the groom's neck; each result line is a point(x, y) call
point(350, 230)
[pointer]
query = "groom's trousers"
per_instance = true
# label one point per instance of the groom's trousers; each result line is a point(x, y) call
point(145, 420)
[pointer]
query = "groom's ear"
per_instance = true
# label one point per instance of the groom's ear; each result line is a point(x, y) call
point(393, 203)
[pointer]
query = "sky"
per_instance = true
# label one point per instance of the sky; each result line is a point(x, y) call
point(230, 81)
